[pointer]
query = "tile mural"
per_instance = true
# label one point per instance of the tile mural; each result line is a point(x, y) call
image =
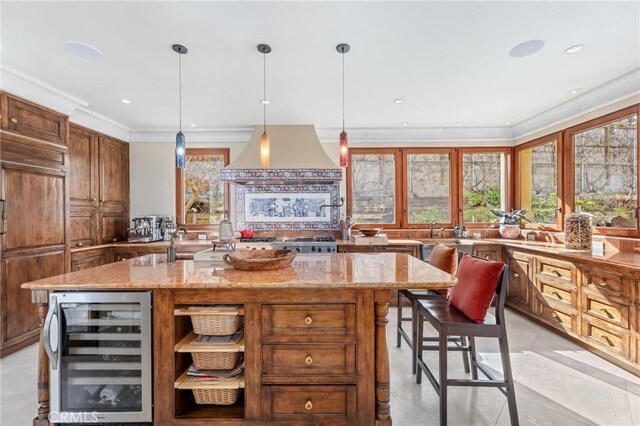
point(287, 206)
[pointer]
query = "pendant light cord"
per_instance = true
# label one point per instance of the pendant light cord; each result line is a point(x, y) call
point(343, 90)
point(264, 94)
point(180, 86)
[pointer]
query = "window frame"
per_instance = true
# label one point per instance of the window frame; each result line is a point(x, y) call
point(508, 151)
point(558, 137)
point(453, 176)
point(569, 167)
point(180, 213)
point(397, 153)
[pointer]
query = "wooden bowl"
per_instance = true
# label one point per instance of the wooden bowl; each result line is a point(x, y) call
point(260, 260)
point(372, 232)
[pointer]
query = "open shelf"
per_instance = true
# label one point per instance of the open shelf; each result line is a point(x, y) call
point(187, 345)
point(212, 310)
point(191, 410)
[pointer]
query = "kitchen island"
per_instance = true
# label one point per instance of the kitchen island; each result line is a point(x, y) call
point(314, 334)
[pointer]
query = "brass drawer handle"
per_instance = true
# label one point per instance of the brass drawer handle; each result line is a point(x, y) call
point(308, 360)
point(557, 294)
point(603, 283)
point(308, 405)
point(308, 320)
point(93, 199)
point(605, 311)
point(102, 200)
point(79, 244)
point(554, 315)
point(516, 275)
point(13, 120)
point(555, 271)
point(606, 339)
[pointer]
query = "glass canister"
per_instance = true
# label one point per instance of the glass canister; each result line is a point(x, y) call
point(225, 230)
point(578, 230)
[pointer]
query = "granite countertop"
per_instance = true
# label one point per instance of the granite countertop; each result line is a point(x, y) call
point(308, 271)
point(392, 242)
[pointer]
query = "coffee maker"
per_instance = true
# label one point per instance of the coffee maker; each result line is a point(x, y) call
point(145, 229)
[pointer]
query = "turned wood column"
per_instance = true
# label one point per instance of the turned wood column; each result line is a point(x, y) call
point(383, 391)
point(41, 298)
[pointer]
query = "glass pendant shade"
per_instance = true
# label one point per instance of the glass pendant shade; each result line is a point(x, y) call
point(180, 150)
point(264, 150)
point(344, 150)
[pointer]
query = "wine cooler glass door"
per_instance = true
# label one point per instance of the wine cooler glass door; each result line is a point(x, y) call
point(103, 357)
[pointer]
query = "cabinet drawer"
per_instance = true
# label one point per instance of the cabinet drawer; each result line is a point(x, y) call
point(558, 318)
point(31, 120)
point(314, 404)
point(321, 319)
point(605, 309)
point(308, 359)
point(606, 336)
point(557, 293)
point(556, 268)
point(604, 282)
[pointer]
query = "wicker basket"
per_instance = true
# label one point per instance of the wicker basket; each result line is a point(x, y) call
point(214, 360)
point(215, 325)
point(216, 396)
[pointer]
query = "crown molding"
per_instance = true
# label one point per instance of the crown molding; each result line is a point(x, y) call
point(94, 121)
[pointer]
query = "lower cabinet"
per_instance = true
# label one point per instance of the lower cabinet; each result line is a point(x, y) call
point(520, 291)
point(89, 258)
point(334, 404)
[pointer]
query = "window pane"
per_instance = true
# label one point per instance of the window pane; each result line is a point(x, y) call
point(483, 185)
point(538, 182)
point(606, 170)
point(428, 188)
point(203, 190)
point(373, 188)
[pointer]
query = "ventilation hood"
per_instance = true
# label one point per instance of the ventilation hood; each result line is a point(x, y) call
point(296, 155)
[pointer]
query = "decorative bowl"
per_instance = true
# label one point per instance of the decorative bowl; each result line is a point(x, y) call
point(370, 232)
point(259, 260)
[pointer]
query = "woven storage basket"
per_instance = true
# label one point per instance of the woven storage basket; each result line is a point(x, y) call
point(215, 325)
point(214, 360)
point(216, 396)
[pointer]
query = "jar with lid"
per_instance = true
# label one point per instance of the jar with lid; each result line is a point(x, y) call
point(225, 229)
point(578, 230)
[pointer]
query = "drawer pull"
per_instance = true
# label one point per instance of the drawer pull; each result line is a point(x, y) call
point(308, 320)
point(93, 199)
point(555, 271)
point(605, 311)
point(557, 294)
point(554, 315)
point(308, 405)
point(308, 360)
point(487, 257)
point(79, 244)
point(603, 283)
point(516, 275)
point(13, 120)
point(606, 339)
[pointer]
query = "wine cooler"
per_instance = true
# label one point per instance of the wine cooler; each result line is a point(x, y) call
point(99, 348)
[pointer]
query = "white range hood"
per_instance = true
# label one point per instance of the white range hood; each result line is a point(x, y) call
point(296, 155)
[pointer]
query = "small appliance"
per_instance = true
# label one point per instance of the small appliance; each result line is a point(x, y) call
point(146, 229)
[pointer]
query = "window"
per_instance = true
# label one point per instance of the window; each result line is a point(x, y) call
point(428, 186)
point(372, 183)
point(605, 171)
point(483, 183)
point(200, 194)
point(537, 182)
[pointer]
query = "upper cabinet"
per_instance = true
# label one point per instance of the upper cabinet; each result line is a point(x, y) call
point(29, 119)
point(83, 159)
point(114, 173)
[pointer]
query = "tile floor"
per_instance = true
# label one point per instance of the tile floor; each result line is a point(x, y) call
point(557, 383)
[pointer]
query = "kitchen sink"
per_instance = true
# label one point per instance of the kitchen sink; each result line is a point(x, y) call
point(427, 246)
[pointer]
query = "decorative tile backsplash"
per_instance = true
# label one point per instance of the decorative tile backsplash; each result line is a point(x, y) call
point(314, 175)
point(287, 206)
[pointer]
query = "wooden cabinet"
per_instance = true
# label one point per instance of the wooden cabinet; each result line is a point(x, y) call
point(31, 120)
point(520, 290)
point(309, 359)
point(99, 187)
point(88, 259)
point(488, 251)
point(324, 319)
point(314, 404)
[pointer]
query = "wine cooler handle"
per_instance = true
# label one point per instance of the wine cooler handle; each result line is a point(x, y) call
point(51, 320)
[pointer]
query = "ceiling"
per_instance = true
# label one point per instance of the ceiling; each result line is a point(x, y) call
point(448, 60)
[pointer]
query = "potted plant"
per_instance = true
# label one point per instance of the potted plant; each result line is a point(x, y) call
point(510, 222)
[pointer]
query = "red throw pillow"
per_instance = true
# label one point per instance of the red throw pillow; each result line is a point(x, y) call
point(477, 283)
point(446, 259)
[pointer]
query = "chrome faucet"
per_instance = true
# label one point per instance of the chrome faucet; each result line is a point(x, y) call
point(431, 225)
point(180, 235)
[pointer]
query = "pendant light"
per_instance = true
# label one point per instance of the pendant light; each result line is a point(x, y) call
point(343, 48)
point(264, 139)
point(180, 142)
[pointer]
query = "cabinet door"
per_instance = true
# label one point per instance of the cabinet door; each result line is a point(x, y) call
point(82, 228)
point(20, 321)
point(114, 173)
point(520, 285)
point(34, 207)
point(31, 120)
point(83, 160)
point(88, 259)
point(112, 226)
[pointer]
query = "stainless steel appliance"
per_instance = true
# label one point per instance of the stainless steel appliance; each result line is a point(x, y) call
point(99, 347)
point(320, 244)
point(146, 229)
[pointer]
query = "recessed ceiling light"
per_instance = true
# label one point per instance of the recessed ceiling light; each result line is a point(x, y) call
point(193, 124)
point(404, 123)
point(574, 49)
point(398, 100)
point(83, 50)
point(265, 101)
point(459, 123)
point(575, 91)
point(508, 123)
point(527, 48)
point(126, 101)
